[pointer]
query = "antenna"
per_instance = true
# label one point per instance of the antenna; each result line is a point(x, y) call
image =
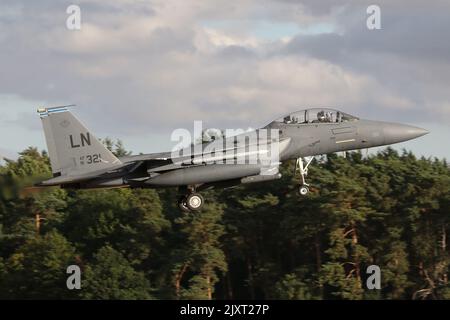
point(45, 111)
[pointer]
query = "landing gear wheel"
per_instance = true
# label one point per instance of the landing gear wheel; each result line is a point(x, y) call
point(303, 169)
point(194, 201)
point(303, 190)
point(182, 205)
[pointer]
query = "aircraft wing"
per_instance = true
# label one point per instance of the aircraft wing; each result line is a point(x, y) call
point(76, 155)
point(159, 162)
point(162, 156)
point(154, 163)
point(68, 179)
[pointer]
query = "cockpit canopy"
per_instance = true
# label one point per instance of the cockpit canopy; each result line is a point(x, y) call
point(316, 115)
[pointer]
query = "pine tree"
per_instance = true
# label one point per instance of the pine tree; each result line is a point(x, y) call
point(37, 270)
point(111, 276)
point(200, 259)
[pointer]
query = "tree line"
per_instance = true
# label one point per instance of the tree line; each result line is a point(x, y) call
point(260, 241)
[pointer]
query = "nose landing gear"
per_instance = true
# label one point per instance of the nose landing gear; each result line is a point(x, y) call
point(303, 169)
point(303, 190)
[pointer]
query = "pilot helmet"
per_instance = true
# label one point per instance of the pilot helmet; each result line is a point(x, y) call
point(321, 116)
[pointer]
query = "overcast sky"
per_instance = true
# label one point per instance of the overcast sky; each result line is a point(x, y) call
point(139, 69)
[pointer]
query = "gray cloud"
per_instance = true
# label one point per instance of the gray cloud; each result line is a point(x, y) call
point(139, 67)
point(408, 55)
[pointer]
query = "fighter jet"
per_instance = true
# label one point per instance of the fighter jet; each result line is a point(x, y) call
point(80, 161)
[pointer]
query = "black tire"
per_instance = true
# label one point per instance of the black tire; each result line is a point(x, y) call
point(194, 201)
point(303, 190)
point(182, 205)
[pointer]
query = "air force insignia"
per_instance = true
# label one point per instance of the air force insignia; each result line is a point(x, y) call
point(65, 123)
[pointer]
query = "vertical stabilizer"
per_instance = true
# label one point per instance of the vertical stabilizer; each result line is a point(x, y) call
point(72, 148)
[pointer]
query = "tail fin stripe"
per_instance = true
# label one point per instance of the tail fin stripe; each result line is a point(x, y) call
point(57, 110)
point(44, 112)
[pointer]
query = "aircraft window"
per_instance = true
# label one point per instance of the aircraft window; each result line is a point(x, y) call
point(295, 118)
point(347, 117)
point(316, 115)
point(323, 116)
point(288, 119)
point(328, 116)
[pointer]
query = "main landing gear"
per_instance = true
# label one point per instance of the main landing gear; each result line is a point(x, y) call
point(193, 201)
point(303, 169)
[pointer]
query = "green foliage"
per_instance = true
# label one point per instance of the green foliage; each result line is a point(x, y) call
point(37, 269)
point(113, 277)
point(255, 241)
point(117, 147)
point(199, 256)
point(295, 286)
point(30, 163)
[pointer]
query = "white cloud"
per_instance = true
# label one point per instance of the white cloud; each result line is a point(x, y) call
point(148, 67)
point(221, 39)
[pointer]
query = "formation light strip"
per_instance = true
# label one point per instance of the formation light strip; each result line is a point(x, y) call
point(45, 112)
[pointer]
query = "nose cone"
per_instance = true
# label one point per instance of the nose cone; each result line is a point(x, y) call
point(395, 132)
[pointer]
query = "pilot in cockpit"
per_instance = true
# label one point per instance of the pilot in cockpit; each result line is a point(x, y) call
point(287, 119)
point(321, 116)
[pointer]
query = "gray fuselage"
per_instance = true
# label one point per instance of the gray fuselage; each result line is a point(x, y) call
point(312, 139)
point(302, 140)
point(302, 134)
